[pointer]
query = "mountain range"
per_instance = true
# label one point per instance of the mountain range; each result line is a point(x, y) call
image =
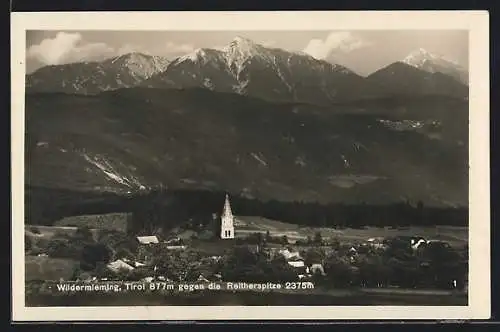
point(123, 71)
point(251, 69)
point(262, 122)
point(432, 63)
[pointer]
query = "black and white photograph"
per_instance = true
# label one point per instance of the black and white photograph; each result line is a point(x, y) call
point(251, 165)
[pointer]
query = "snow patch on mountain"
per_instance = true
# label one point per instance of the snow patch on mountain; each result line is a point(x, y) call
point(419, 57)
point(105, 167)
point(434, 63)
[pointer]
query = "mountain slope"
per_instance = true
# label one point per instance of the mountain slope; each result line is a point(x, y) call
point(133, 139)
point(402, 79)
point(93, 77)
point(433, 63)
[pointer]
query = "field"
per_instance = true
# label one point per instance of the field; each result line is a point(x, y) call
point(47, 232)
point(116, 221)
point(47, 268)
point(245, 225)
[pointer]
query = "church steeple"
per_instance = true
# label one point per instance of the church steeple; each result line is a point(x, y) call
point(227, 221)
point(227, 207)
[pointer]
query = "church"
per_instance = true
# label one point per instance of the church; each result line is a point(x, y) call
point(227, 221)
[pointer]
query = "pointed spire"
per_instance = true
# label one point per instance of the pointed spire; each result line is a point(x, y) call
point(227, 207)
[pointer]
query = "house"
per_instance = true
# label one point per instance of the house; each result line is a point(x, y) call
point(147, 279)
point(296, 263)
point(119, 265)
point(287, 254)
point(148, 239)
point(174, 241)
point(416, 239)
point(201, 278)
point(317, 268)
point(417, 244)
point(376, 242)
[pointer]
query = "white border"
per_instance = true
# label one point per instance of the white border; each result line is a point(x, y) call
point(476, 22)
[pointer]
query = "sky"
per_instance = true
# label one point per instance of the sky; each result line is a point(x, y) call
point(361, 51)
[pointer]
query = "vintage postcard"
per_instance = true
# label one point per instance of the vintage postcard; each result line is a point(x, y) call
point(250, 165)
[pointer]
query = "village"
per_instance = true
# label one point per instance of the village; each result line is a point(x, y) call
point(241, 255)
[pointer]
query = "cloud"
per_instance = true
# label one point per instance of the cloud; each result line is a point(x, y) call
point(66, 48)
point(71, 47)
point(336, 41)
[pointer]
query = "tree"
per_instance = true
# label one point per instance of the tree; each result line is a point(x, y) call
point(445, 264)
point(92, 254)
point(339, 272)
point(318, 238)
point(314, 256)
point(102, 271)
point(64, 248)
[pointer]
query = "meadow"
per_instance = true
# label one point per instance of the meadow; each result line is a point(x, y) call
point(48, 268)
point(245, 225)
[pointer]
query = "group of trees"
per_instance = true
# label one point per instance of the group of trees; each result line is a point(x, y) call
point(432, 266)
point(243, 264)
point(167, 208)
point(90, 250)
